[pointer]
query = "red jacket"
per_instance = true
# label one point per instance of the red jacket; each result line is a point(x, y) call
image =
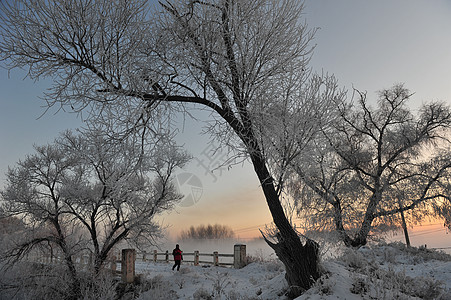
point(177, 254)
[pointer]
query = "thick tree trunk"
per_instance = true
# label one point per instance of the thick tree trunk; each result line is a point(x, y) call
point(362, 236)
point(300, 260)
point(338, 219)
point(76, 289)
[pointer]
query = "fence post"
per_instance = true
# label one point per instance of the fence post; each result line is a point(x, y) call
point(167, 256)
point(144, 256)
point(128, 265)
point(239, 256)
point(155, 255)
point(196, 257)
point(215, 258)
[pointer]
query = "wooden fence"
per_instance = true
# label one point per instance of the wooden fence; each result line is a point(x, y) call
point(191, 257)
point(236, 259)
point(128, 257)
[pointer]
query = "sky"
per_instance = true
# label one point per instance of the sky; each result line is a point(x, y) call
point(368, 45)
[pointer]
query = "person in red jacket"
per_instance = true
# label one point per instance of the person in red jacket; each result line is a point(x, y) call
point(178, 257)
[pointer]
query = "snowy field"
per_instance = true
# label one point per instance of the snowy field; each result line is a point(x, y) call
point(373, 272)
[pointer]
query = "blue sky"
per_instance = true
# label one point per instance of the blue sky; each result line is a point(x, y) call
point(369, 45)
point(374, 44)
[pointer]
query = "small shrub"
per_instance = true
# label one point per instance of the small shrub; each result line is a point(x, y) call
point(253, 259)
point(359, 286)
point(353, 259)
point(429, 254)
point(422, 251)
point(102, 287)
point(388, 284)
point(180, 282)
point(324, 285)
point(202, 294)
point(156, 288)
point(37, 281)
point(156, 282)
point(220, 282)
point(233, 295)
point(390, 255)
point(253, 281)
point(275, 266)
point(426, 288)
point(157, 294)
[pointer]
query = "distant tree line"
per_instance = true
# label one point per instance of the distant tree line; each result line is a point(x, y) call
point(203, 232)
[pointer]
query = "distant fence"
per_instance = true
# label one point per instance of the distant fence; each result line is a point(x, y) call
point(194, 258)
point(127, 258)
point(236, 259)
point(56, 258)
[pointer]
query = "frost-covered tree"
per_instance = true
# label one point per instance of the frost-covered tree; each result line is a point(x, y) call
point(131, 64)
point(375, 163)
point(203, 232)
point(87, 192)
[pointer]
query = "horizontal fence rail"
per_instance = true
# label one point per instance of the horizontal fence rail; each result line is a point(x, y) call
point(195, 258)
point(127, 257)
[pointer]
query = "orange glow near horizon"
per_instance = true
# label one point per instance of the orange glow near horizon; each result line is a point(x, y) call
point(244, 211)
point(236, 200)
point(247, 215)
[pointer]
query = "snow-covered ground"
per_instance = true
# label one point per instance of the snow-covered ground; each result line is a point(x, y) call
point(373, 272)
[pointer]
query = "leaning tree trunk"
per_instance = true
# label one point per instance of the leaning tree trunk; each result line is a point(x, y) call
point(404, 224)
point(361, 237)
point(300, 259)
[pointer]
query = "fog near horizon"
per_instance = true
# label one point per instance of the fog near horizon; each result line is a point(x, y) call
point(434, 236)
point(257, 247)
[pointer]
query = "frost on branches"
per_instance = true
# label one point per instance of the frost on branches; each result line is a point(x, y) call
point(129, 65)
point(372, 165)
point(86, 192)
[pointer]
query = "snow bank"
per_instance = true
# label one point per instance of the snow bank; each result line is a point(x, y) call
point(377, 272)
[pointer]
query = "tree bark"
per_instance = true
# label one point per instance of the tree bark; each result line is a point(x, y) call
point(362, 236)
point(338, 219)
point(61, 241)
point(300, 260)
point(76, 289)
point(404, 225)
